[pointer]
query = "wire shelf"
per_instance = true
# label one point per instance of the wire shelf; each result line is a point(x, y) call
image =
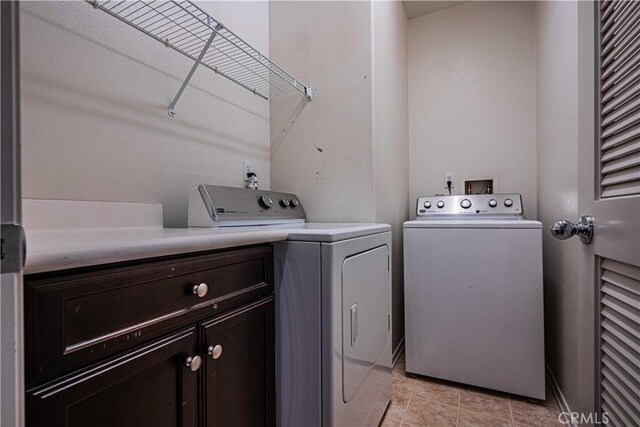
point(184, 27)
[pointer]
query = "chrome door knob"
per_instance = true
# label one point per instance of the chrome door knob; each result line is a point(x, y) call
point(215, 351)
point(200, 290)
point(564, 230)
point(193, 363)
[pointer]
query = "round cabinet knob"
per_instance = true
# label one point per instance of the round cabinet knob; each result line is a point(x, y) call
point(193, 362)
point(265, 201)
point(440, 204)
point(465, 203)
point(215, 351)
point(508, 203)
point(493, 203)
point(285, 203)
point(427, 204)
point(200, 290)
point(294, 203)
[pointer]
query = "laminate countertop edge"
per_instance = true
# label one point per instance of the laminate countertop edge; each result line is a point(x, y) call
point(54, 250)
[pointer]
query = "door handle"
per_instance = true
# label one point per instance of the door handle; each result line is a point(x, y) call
point(564, 230)
point(354, 324)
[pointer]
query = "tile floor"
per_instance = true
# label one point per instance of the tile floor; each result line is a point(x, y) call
point(421, 401)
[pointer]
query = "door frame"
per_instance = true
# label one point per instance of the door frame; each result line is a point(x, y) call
point(11, 289)
point(588, 286)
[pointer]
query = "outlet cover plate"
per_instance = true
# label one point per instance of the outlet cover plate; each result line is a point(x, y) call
point(450, 176)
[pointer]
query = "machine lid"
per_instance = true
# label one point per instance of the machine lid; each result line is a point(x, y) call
point(334, 232)
point(471, 206)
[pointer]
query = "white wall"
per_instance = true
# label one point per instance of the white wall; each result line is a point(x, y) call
point(391, 137)
point(94, 120)
point(557, 115)
point(322, 150)
point(344, 153)
point(472, 99)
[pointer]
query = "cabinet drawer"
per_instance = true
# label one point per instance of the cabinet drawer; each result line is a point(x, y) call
point(79, 318)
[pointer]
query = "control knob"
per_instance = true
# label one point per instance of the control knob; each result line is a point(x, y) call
point(465, 203)
point(508, 202)
point(440, 204)
point(427, 204)
point(294, 203)
point(285, 203)
point(265, 201)
point(493, 203)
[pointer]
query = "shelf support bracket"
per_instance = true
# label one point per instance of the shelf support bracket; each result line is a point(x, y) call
point(172, 106)
point(308, 91)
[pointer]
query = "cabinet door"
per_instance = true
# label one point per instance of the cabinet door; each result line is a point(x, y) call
point(240, 367)
point(149, 386)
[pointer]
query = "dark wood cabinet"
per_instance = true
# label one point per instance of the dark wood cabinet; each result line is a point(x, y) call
point(111, 346)
point(239, 372)
point(149, 386)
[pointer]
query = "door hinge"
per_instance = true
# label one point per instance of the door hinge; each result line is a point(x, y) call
point(13, 248)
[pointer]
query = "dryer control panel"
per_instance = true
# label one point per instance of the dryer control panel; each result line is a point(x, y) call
point(471, 205)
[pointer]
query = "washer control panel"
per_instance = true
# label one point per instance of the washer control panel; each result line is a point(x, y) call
point(502, 205)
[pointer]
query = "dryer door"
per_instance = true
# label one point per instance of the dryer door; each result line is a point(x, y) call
point(366, 321)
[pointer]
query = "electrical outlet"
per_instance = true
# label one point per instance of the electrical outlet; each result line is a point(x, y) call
point(246, 168)
point(450, 176)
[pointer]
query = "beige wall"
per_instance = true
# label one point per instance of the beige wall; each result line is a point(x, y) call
point(390, 136)
point(472, 98)
point(344, 153)
point(321, 150)
point(94, 120)
point(557, 115)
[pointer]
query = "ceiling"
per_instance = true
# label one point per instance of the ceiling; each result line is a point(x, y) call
point(416, 8)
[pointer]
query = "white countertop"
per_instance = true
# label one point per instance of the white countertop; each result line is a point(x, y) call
point(51, 250)
point(64, 234)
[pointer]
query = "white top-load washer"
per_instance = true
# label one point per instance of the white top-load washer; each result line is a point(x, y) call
point(333, 306)
point(474, 293)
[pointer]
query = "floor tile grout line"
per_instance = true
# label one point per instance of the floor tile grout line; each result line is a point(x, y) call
point(458, 411)
point(406, 408)
point(513, 423)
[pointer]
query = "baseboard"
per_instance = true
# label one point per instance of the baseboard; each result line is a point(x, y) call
point(398, 351)
point(557, 394)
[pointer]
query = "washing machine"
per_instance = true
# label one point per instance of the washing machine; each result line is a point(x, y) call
point(333, 306)
point(474, 293)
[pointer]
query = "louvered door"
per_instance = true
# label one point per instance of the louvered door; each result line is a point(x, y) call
point(619, 69)
point(620, 329)
point(612, 196)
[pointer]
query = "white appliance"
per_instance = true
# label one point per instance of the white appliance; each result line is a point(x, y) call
point(474, 293)
point(333, 306)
